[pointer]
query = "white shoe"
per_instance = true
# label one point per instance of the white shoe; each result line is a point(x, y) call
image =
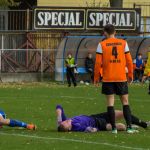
point(148, 123)
point(114, 131)
point(135, 126)
point(131, 131)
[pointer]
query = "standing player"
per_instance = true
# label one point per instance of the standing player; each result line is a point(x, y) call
point(147, 71)
point(14, 123)
point(113, 56)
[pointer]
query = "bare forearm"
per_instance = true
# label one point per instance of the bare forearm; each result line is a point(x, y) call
point(5, 121)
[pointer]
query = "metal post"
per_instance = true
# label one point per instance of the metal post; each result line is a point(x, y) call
point(63, 59)
point(2, 43)
point(28, 20)
point(41, 64)
point(27, 49)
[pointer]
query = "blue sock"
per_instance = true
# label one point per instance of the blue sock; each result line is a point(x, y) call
point(62, 114)
point(16, 123)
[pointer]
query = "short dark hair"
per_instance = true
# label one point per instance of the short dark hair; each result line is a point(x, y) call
point(139, 54)
point(61, 128)
point(109, 28)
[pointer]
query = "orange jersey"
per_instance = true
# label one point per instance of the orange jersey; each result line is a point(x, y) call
point(113, 55)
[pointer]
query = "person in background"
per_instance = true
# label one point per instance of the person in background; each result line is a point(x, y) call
point(89, 65)
point(70, 67)
point(147, 71)
point(138, 68)
point(143, 67)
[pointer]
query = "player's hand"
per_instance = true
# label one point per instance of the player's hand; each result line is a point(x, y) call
point(130, 80)
point(143, 79)
point(96, 83)
point(90, 129)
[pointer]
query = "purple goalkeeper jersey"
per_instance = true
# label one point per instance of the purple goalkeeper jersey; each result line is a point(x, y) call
point(80, 123)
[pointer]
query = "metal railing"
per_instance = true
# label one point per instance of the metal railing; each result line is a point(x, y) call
point(145, 8)
point(27, 60)
point(16, 20)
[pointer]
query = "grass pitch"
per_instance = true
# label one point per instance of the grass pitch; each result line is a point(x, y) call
point(35, 103)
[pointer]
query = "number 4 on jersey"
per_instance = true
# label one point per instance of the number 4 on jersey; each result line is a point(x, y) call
point(114, 52)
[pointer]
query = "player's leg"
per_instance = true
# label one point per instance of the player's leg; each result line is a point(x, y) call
point(104, 115)
point(141, 74)
point(119, 126)
point(16, 123)
point(119, 114)
point(137, 121)
point(110, 111)
point(135, 75)
point(149, 86)
point(138, 74)
point(68, 77)
point(126, 110)
point(127, 114)
point(73, 77)
point(60, 114)
point(109, 90)
point(144, 79)
point(122, 90)
point(100, 121)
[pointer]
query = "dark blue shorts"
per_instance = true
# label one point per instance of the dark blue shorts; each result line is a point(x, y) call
point(101, 121)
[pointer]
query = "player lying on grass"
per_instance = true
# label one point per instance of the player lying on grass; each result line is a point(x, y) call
point(14, 123)
point(92, 123)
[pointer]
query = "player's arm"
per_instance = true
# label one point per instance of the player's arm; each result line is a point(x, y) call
point(66, 63)
point(98, 63)
point(3, 121)
point(129, 63)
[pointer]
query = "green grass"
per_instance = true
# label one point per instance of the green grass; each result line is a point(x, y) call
point(36, 103)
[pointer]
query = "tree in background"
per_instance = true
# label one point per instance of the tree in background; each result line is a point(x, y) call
point(27, 4)
point(9, 3)
point(18, 4)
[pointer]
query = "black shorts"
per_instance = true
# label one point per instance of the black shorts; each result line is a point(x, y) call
point(101, 121)
point(119, 88)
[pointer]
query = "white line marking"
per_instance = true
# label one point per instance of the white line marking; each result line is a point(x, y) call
point(61, 96)
point(74, 97)
point(70, 97)
point(73, 140)
point(136, 100)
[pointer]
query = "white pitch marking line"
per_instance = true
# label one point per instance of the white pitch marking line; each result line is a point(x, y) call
point(73, 140)
point(73, 97)
point(61, 96)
